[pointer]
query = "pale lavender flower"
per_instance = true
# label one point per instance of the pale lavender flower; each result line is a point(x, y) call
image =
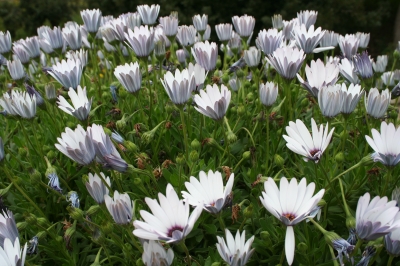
point(141, 40)
point(67, 73)
point(287, 61)
point(179, 87)
point(207, 33)
point(96, 188)
point(206, 54)
point(186, 35)
point(213, 102)
point(351, 95)
point(154, 254)
point(54, 182)
point(200, 22)
point(348, 71)
point(19, 103)
point(252, 57)
point(81, 104)
point(288, 28)
point(148, 13)
point(72, 35)
point(8, 227)
point(235, 43)
point(5, 42)
point(343, 248)
point(32, 91)
point(392, 242)
point(82, 55)
point(224, 31)
point(31, 45)
point(16, 69)
point(269, 41)
point(132, 20)
point(53, 36)
point(199, 75)
point(91, 19)
point(268, 93)
point(349, 45)
point(380, 64)
point(364, 39)
point(377, 104)
point(235, 251)
point(330, 39)
point(181, 56)
point(388, 78)
point(308, 18)
point(170, 25)
point(21, 53)
point(11, 254)
point(330, 100)
point(244, 25)
point(363, 65)
point(120, 207)
point(130, 76)
point(307, 38)
point(73, 197)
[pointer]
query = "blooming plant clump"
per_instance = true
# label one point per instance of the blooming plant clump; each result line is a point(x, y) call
point(136, 140)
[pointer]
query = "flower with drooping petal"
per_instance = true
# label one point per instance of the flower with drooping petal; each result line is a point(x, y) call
point(8, 227)
point(351, 95)
point(348, 71)
point(170, 25)
point(235, 251)
point(130, 76)
point(244, 25)
point(141, 40)
point(32, 91)
point(377, 104)
point(287, 61)
point(307, 17)
point(5, 42)
point(19, 103)
point(300, 141)
point(81, 104)
point(206, 54)
point(364, 39)
point(380, 64)
point(268, 93)
point(330, 39)
point(96, 188)
point(11, 254)
point(92, 19)
point(209, 191)
point(106, 153)
point(224, 31)
point(186, 35)
point(349, 45)
point(385, 144)
point(68, 73)
point(252, 57)
point(120, 207)
point(154, 254)
point(319, 75)
point(392, 242)
point(200, 22)
point(269, 41)
point(179, 87)
point(376, 218)
point(307, 39)
point(148, 13)
point(330, 100)
point(291, 204)
point(77, 145)
point(169, 220)
point(16, 69)
point(363, 65)
point(199, 75)
point(72, 35)
point(213, 102)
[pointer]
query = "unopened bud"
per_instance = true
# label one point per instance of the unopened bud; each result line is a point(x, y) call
point(93, 210)
point(22, 225)
point(302, 247)
point(35, 176)
point(248, 211)
point(240, 73)
point(23, 152)
point(180, 159)
point(305, 102)
point(130, 146)
point(107, 131)
point(246, 155)
point(120, 124)
point(139, 262)
point(225, 78)
point(278, 160)
point(350, 222)
point(250, 96)
point(396, 54)
point(137, 181)
point(216, 264)
point(195, 144)
point(339, 158)
point(232, 138)
point(241, 110)
point(367, 160)
point(108, 228)
point(75, 213)
point(31, 219)
point(51, 155)
point(194, 156)
point(42, 222)
point(41, 235)
point(218, 65)
point(265, 235)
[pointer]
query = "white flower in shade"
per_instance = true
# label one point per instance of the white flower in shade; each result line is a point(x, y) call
point(319, 75)
point(224, 31)
point(308, 18)
point(235, 251)
point(154, 254)
point(169, 221)
point(5, 42)
point(120, 207)
point(170, 25)
point(363, 65)
point(213, 102)
point(21, 53)
point(376, 218)
point(209, 191)
point(234, 83)
point(207, 33)
point(72, 35)
point(77, 145)
point(32, 46)
point(114, 29)
point(186, 35)
point(268, 93)
point(96, 188)
point(288, 27)
point(385, 144)
point(377, 104)
point(330, 39)
point(8, 227)
point(300, 141)
point(244, 25)
point(16, 69)
point(388, 78)
point(179, 87)
point(307, 39)
point(291, 204)
point(106, 153)
point(67, 73)
point(277, 22)
point(392, 242)
point(80, 55)
point(11, 254)
point(53, 36)
point(269, 41)
point(330, 100)
point(235, 43)
point(19, 103)
point(349, 45)
point(148, 13)
point(252, 57)
point(199, 75)
point(141, 40)
point(81, 104)
point(205, 54)
point(91, 19)
point(132, 20)
point(364, 39)
point(348, 71)
point(287, 61)
point(380, 64)
point(200, 22)
point(181, 56)
point(351, 95)
point(130, 76)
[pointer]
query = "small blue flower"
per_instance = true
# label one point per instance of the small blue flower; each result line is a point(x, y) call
point(73, 198)
point(54, 183)
point(113, 90)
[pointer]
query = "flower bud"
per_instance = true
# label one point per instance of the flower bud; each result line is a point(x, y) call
point(219, 63)
point(265, 236)
point(302, 247)
point(194, 156)
point(246, 155)
point(35, 176)
point(41, 235)
point(31, 219)
point(51, 155)
point(241, 110)
point(70, 124)
point(339, 158)
point(350, 222)
point(250, 96)
point(108, 228)
point(195, 145)
point(59, 238)
point(50, 169)
point(120, 124)
point(396, 54)
point(367, 160)
point(107, 131)
point(75, 213)
point(130, 146)
point(305, 102)
point(232, 138)
point(393, 114)
point(216, 264)
point(278, 160)
point(22, 225)
point(247, 85)
point(137, 181)
point(139, 262)
point(42, 222)
point(180, 159)
point(225, 78)
point(93, 210)
point(248, 211)
point(23, 152)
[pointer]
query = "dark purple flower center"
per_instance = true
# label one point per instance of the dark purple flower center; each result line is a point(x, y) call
point(176, 227)
point(290, 216)
point(313, 152)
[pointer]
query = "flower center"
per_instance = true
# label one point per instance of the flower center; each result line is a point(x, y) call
point(175, 228)
point(290, 216)
point(313, 152)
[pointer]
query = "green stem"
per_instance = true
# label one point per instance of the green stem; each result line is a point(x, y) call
point(267, 143)
point(388, 178)
point(343, 173)
point(94, 169)
point(390, 260)
point(185, 137)
point(184, 247)
point(150, 90)
point(221, 222)
point(358, 245)
point(346, 208)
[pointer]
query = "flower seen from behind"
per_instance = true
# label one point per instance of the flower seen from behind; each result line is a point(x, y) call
point(235, 251)
point(120, 207)
point(81, 104)
point(213, 102)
